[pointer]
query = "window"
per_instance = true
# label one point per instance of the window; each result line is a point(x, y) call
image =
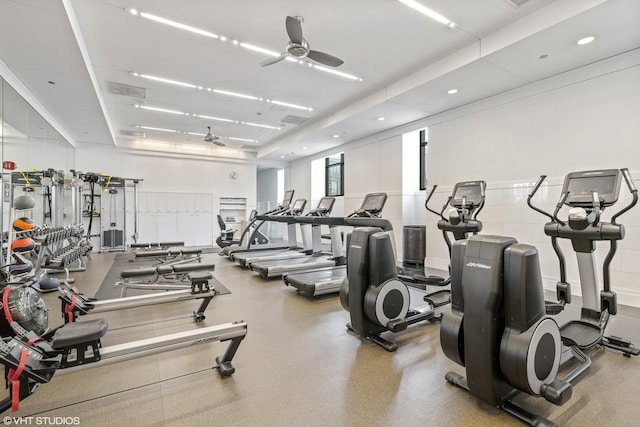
point(334, 175)
point(423, 159)
point(279, 185)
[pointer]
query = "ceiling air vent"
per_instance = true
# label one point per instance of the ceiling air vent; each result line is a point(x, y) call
point(133, 133)
point(126, 90)
point(294, 120)
point(517, 3)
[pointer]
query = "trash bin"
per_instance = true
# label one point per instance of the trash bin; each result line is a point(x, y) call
point(414, 239)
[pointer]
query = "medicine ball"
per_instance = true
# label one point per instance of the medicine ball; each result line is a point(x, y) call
point(25, 306)
point(23, 202)
point(23, 245)
point(23, 224)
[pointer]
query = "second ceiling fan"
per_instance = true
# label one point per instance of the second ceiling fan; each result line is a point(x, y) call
point(299, 48)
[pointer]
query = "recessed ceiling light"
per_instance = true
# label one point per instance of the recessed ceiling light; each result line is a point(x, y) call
point(586, 40)
point(380, 119)
point(335, 136)
point(452, 91)
point(426, 11)
point(305, 148)
point(133, 11)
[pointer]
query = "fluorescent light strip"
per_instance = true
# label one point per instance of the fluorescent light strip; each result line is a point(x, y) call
point(260, 49)
point(162, 110)
point(241, 139)
point(196, 134)
point(239, 95)
point(219, 119)
point(178, 25)
point(337, 73)
point(286, 104)
point(426, 11)
point(163, 80)
point(219, 92)
point(260, 126)
point(158, 129)
point(269, 52)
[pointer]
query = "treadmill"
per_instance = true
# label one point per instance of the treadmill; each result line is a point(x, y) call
point(329, 279)
point(253, 240)
point(323, 209)
point(245, 258)
point(327, 267)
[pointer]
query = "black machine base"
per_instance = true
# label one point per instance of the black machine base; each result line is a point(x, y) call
point(508, 406)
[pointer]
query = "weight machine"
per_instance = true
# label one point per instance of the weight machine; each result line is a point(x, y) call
point(107, 199)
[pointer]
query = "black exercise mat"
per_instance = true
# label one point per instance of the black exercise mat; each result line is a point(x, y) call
point(109, 290)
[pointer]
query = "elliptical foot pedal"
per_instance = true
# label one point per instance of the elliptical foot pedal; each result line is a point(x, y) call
point(439, 298)
point(584, 335)
point(625, 347)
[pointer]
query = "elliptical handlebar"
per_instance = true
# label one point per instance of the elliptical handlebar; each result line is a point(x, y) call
point(536, 187)
point(426, 203)
point(481, 205)
point(632, 189)
point(563, 198)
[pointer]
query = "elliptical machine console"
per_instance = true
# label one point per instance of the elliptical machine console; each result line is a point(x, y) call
point(466, 202)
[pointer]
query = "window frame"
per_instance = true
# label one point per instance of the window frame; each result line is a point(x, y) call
point(328, 166)
point(423, 159)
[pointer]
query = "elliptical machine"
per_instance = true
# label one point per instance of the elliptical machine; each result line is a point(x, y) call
point(466, 201)
point(588, 193)
point(497, 328)
point(377, 301)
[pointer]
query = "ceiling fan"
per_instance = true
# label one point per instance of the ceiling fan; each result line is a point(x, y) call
point(213, 138)
point(299, 48)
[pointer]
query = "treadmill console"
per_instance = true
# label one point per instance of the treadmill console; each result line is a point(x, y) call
point(581, 185)
point(288, 197)
point(325, 205)
point(467, 194)
point(373, 203)
point(298, 206)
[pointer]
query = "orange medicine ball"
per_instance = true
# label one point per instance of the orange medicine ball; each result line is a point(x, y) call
point(23, 245)
point(23, 224)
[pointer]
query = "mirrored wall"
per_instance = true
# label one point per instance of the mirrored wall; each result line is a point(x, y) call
point(36, 161)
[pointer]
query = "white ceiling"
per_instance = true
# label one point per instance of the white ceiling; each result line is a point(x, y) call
point(406, 60)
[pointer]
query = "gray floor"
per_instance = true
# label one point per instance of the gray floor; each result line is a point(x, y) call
point(299, 366)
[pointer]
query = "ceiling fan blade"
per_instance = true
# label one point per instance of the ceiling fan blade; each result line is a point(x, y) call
point(273, 60)
point(325, 58)
point(294, 30)
point(220, 143)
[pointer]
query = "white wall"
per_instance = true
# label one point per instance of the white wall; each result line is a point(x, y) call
point(180, 195)
point(586, 119)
